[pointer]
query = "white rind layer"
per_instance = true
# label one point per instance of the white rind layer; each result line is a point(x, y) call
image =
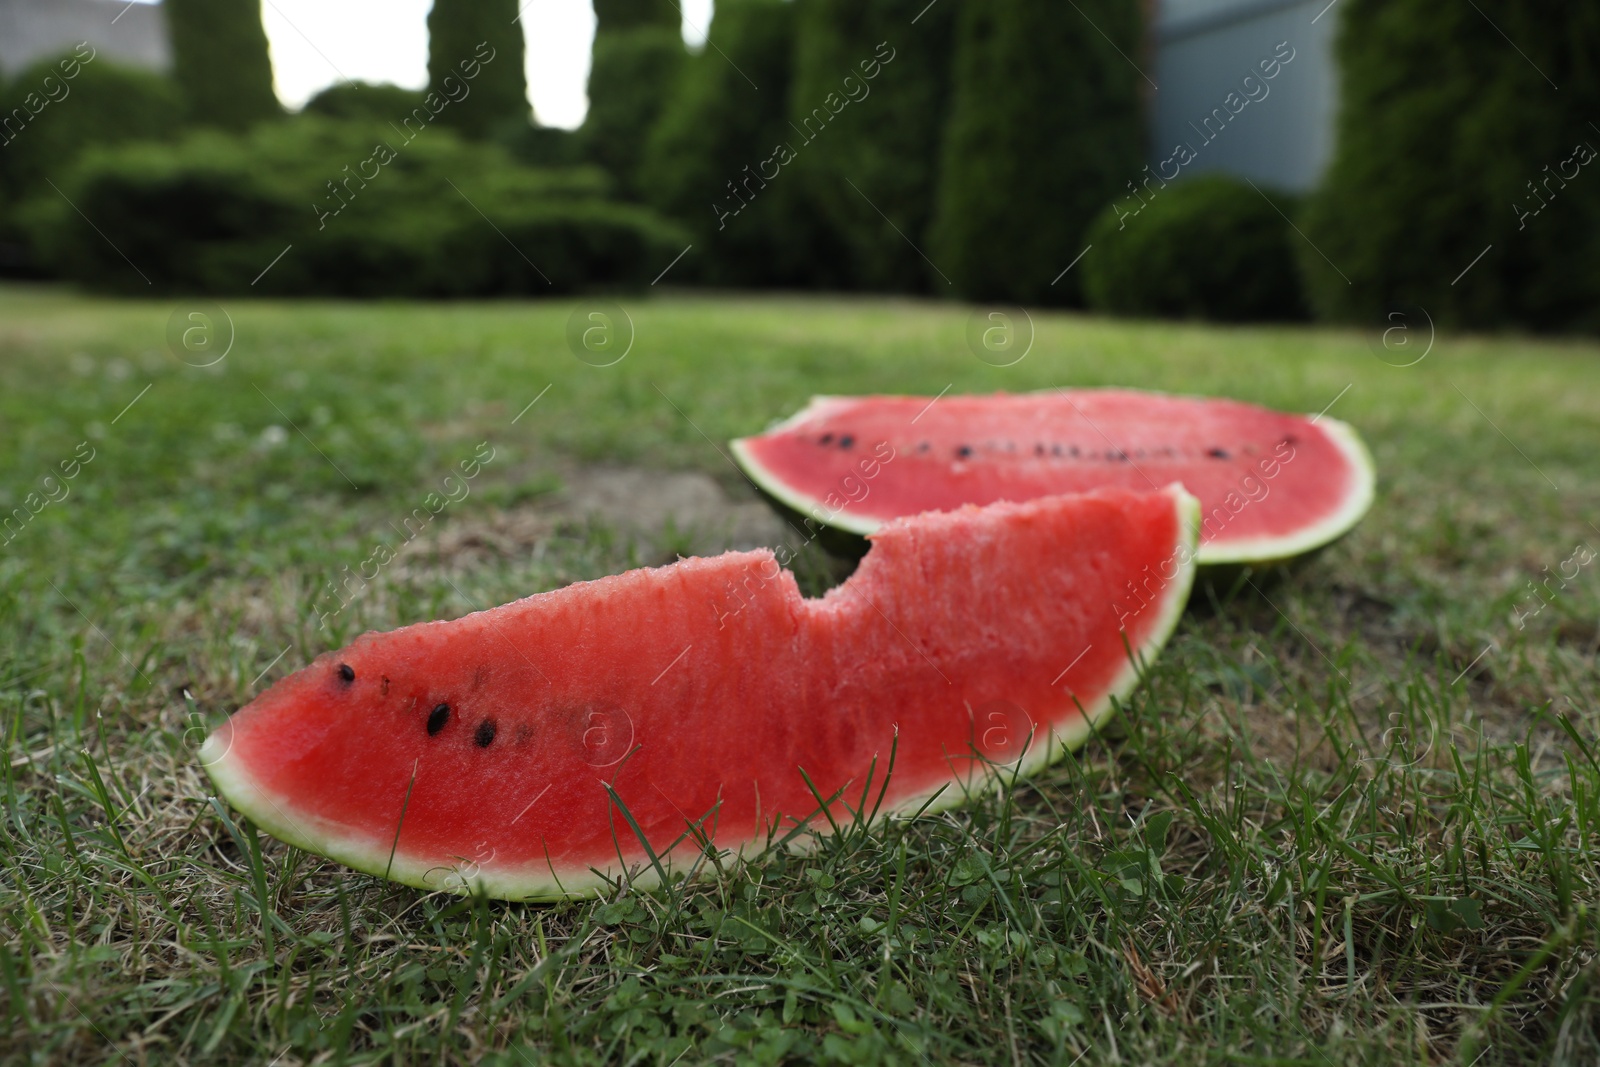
point(1356, 503)
point(544, 883)
point(1258, 550)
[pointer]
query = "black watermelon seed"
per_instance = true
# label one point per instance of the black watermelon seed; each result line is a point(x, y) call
point(846, 441)
point(485, 733)
point(825, 439)
point(438, 718)
point(1218, 453)
point(1118, 454)
point(923, 447)
point(347, 673)
point(964, 451)
point(1038, 450)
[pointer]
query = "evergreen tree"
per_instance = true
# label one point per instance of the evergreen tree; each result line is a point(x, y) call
point(630, 81)
point(875, 140)
point(220, 61)
point(1045, 129)
point(613, 15)
point(1455, 143)
point(719, 159)
point(476, 48)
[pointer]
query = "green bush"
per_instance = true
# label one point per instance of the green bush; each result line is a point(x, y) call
point(56, 109)
point(1451, 141)
point(874, 140)
point(613, 15)
point(1208, 247)
point(220, 61)
point(475, 60)
point(717, 136)
point(542, 146)
point(1045, 128)
point(363, 214)
point(369, 101)
point(633, 74)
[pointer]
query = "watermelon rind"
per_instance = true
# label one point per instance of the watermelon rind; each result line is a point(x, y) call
point(309, 834)
point(305, 831)
point(1267, 551)
point(1262, 551)
point(808, 506)
point(382, 859)
point(1072, 736)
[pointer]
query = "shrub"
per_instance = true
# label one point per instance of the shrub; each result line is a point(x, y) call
point(54, 110)
point(475, 53)
point(876, 139)
point(364, 217)
point(720, 130)
point(1208, 247)
point(541, 146)
point(1453, 141)
point(220, 61)
point(633, 74)
point(1045, 128)
point(369, 101)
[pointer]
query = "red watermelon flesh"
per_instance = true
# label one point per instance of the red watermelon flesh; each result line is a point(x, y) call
point(1271, 485)
point(507, 751)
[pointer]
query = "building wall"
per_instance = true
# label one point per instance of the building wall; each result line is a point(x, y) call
point(131, 33)
point(1203, 49)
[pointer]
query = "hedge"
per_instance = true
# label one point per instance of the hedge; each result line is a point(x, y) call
point(211, 213)
point(56, 109)
point(1207, 247)
point(368, 101)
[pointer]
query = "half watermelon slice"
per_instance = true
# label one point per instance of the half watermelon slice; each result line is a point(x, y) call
point(625, 726)
point(1271, 485)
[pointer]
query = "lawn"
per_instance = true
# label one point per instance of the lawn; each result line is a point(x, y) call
point(1349, 818)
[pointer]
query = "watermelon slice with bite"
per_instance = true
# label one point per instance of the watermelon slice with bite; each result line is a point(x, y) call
point(1271, 485)
point(534, 750)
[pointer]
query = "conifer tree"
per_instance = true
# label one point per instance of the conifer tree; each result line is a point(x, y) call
point(478, 46)
point(1456, 148)
point(872, 91)
point(1045, 129)
point(220, 61)
point(612, 15)
point(719, 159)
point(633, 74)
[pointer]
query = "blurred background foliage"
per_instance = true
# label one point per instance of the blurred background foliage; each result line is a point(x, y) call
point(966, 150)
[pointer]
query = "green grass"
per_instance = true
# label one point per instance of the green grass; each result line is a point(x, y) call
point(1350, 819)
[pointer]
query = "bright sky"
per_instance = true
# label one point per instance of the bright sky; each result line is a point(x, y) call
point(316, 43)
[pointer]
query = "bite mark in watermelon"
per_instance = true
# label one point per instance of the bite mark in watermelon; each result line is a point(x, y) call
point(1271, 485)
point(523, 751)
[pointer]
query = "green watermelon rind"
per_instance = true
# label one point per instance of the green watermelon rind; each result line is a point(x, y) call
point(1264, 551)
point(1267, 551)
point(382, 860)
point(1072, 735)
